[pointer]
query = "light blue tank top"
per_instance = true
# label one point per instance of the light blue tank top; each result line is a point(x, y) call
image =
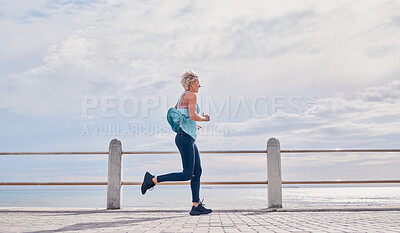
point(188, 125)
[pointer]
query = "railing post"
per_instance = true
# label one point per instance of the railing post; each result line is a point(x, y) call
point(114, 175)
point(274, 173)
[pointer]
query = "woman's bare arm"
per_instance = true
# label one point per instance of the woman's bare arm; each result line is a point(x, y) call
point(192, 100)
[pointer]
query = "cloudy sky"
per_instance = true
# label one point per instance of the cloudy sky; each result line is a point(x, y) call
point(314, 74)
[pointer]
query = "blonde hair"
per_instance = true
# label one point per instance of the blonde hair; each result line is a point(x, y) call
point(187, 77)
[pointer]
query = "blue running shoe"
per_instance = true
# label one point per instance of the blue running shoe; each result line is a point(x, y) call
point(147, 182)
point(199, 210)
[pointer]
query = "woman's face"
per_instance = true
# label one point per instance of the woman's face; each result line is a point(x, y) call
point(194, 86)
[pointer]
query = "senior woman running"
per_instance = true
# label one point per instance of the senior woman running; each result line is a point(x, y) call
point(185, 141)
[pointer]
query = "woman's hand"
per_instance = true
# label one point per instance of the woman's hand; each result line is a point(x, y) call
point(206, 117)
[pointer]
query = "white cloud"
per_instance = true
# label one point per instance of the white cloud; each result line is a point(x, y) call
point(389, 92)
point(140, 48)
point(340, 123)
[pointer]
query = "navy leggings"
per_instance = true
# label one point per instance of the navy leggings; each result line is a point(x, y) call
point(190, 162)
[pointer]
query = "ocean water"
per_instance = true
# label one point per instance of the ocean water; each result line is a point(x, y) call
point(222, 197)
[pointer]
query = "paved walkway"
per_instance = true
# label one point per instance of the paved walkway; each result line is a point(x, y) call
point(292, 220)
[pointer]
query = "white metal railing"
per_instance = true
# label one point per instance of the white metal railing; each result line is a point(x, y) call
point(274, 175)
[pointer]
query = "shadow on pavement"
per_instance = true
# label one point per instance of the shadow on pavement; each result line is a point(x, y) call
point(108, 224)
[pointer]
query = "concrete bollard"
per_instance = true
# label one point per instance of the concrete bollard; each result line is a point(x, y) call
point(274, 173)
point(114, 175)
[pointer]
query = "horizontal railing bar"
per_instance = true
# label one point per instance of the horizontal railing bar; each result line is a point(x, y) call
point(343, 182)
point(340, 150)
point(54, 153)
point(53, 183)
point(264, 151)
point(207, 183)
point(204, 183)
point(203, 152)
point(132, 152)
